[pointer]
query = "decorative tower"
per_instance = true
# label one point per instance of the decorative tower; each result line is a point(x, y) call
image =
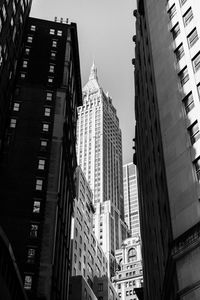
point(99, 153)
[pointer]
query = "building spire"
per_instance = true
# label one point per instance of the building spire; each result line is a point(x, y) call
point(93, 72)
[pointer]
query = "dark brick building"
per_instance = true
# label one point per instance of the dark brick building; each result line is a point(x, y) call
point(39, 160)
point(13, 17)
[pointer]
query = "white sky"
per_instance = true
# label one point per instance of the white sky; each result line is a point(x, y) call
point(105, 30)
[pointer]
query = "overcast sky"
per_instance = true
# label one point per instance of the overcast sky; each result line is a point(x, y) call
point(105, 30)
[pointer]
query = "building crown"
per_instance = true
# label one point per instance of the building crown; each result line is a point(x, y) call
point(93, 72)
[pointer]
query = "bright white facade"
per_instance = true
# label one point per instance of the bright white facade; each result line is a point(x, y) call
point(99, 153)
point(129, 275)
point(131, 206)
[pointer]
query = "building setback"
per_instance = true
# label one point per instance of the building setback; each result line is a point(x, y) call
point(37, 170)
point(13, 17)
point(99, 153)
point(131, 205)
point(167, 106)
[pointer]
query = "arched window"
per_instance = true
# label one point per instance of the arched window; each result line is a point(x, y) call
point(132, 255)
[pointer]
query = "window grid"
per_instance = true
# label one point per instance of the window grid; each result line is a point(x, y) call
point(192, 38)
point(188, 16)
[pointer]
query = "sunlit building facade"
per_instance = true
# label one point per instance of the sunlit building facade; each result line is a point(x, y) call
point(131, 205)
point(99, 153)
point(167, 81)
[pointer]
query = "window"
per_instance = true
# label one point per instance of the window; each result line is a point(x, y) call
point(45, 127)
point(16, 106)
point(172, 11)
point(39, 184)
point(100, 287)
point(34, 231)
point(197, 167)
point(50, 79)
point(36, 207)
point(52, 31)
point(192, 37)
point(47, 111)
point(59, 32)
point(194, 132)
point(75, 257)
point(31, 255)
point(119, 286)
point(188, 102)
point(29, 39)
point(25, 63)
point(27, 51)
point(187, 17)
point(33, 27)
point(28, 282)
point(23, 75)
point(41, 164)
point(196, 62)
point(54, 43)
point(179, 52)
point(184, 76)
point(175, 30)
point(43, 145)
point(53, 54)
point(13, 123)
point(132, 255)
point(51, 68)
point(49, 96)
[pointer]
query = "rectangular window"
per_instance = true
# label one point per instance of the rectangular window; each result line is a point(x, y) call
point(54, 43)
point(39, 184)
point(31, 255)
point(196, 62)
point(36, 207)
point(34, 231)
point(49, 96)
point(23, 75)
point(47, 112)
point(175, 30)
point(51, 68)
point(194, 132)
point(52, 31)
point(59, 32)
point(29, 39)
point(16, 106)
point(41, 164)
point(197, 167)
point(27, 51)
point(43, 145)
point(179, 52)
point(184, 76)
point(53, 54)
point(28, 282)
point(172, 11)
point(25, 64)
point(188, 16)
point(192, 37)
point(45, 127)
point(50, 79)
point(13, 123)
point(33, 27)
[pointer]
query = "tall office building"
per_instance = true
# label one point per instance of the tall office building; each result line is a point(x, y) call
point(167, 104)
point(99, 153)
point(131, 205)
point(37, 185)
point(13, 17)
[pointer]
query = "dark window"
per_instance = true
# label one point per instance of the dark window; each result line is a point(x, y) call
point(184, 76)
point(197, 167)
point(179, 52)
point(196, 62)
point(175, 30)
point(188, 102)
point(192, 37)
point(188, 16)
point(172, 11)
point(194, 132)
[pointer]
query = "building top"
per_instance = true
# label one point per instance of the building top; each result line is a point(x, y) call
point(92, 84)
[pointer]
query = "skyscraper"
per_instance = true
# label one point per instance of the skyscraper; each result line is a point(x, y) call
point(99, 152)
point(37, 185)
point(13, 17)
point(167, 105)
point(131, 205)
